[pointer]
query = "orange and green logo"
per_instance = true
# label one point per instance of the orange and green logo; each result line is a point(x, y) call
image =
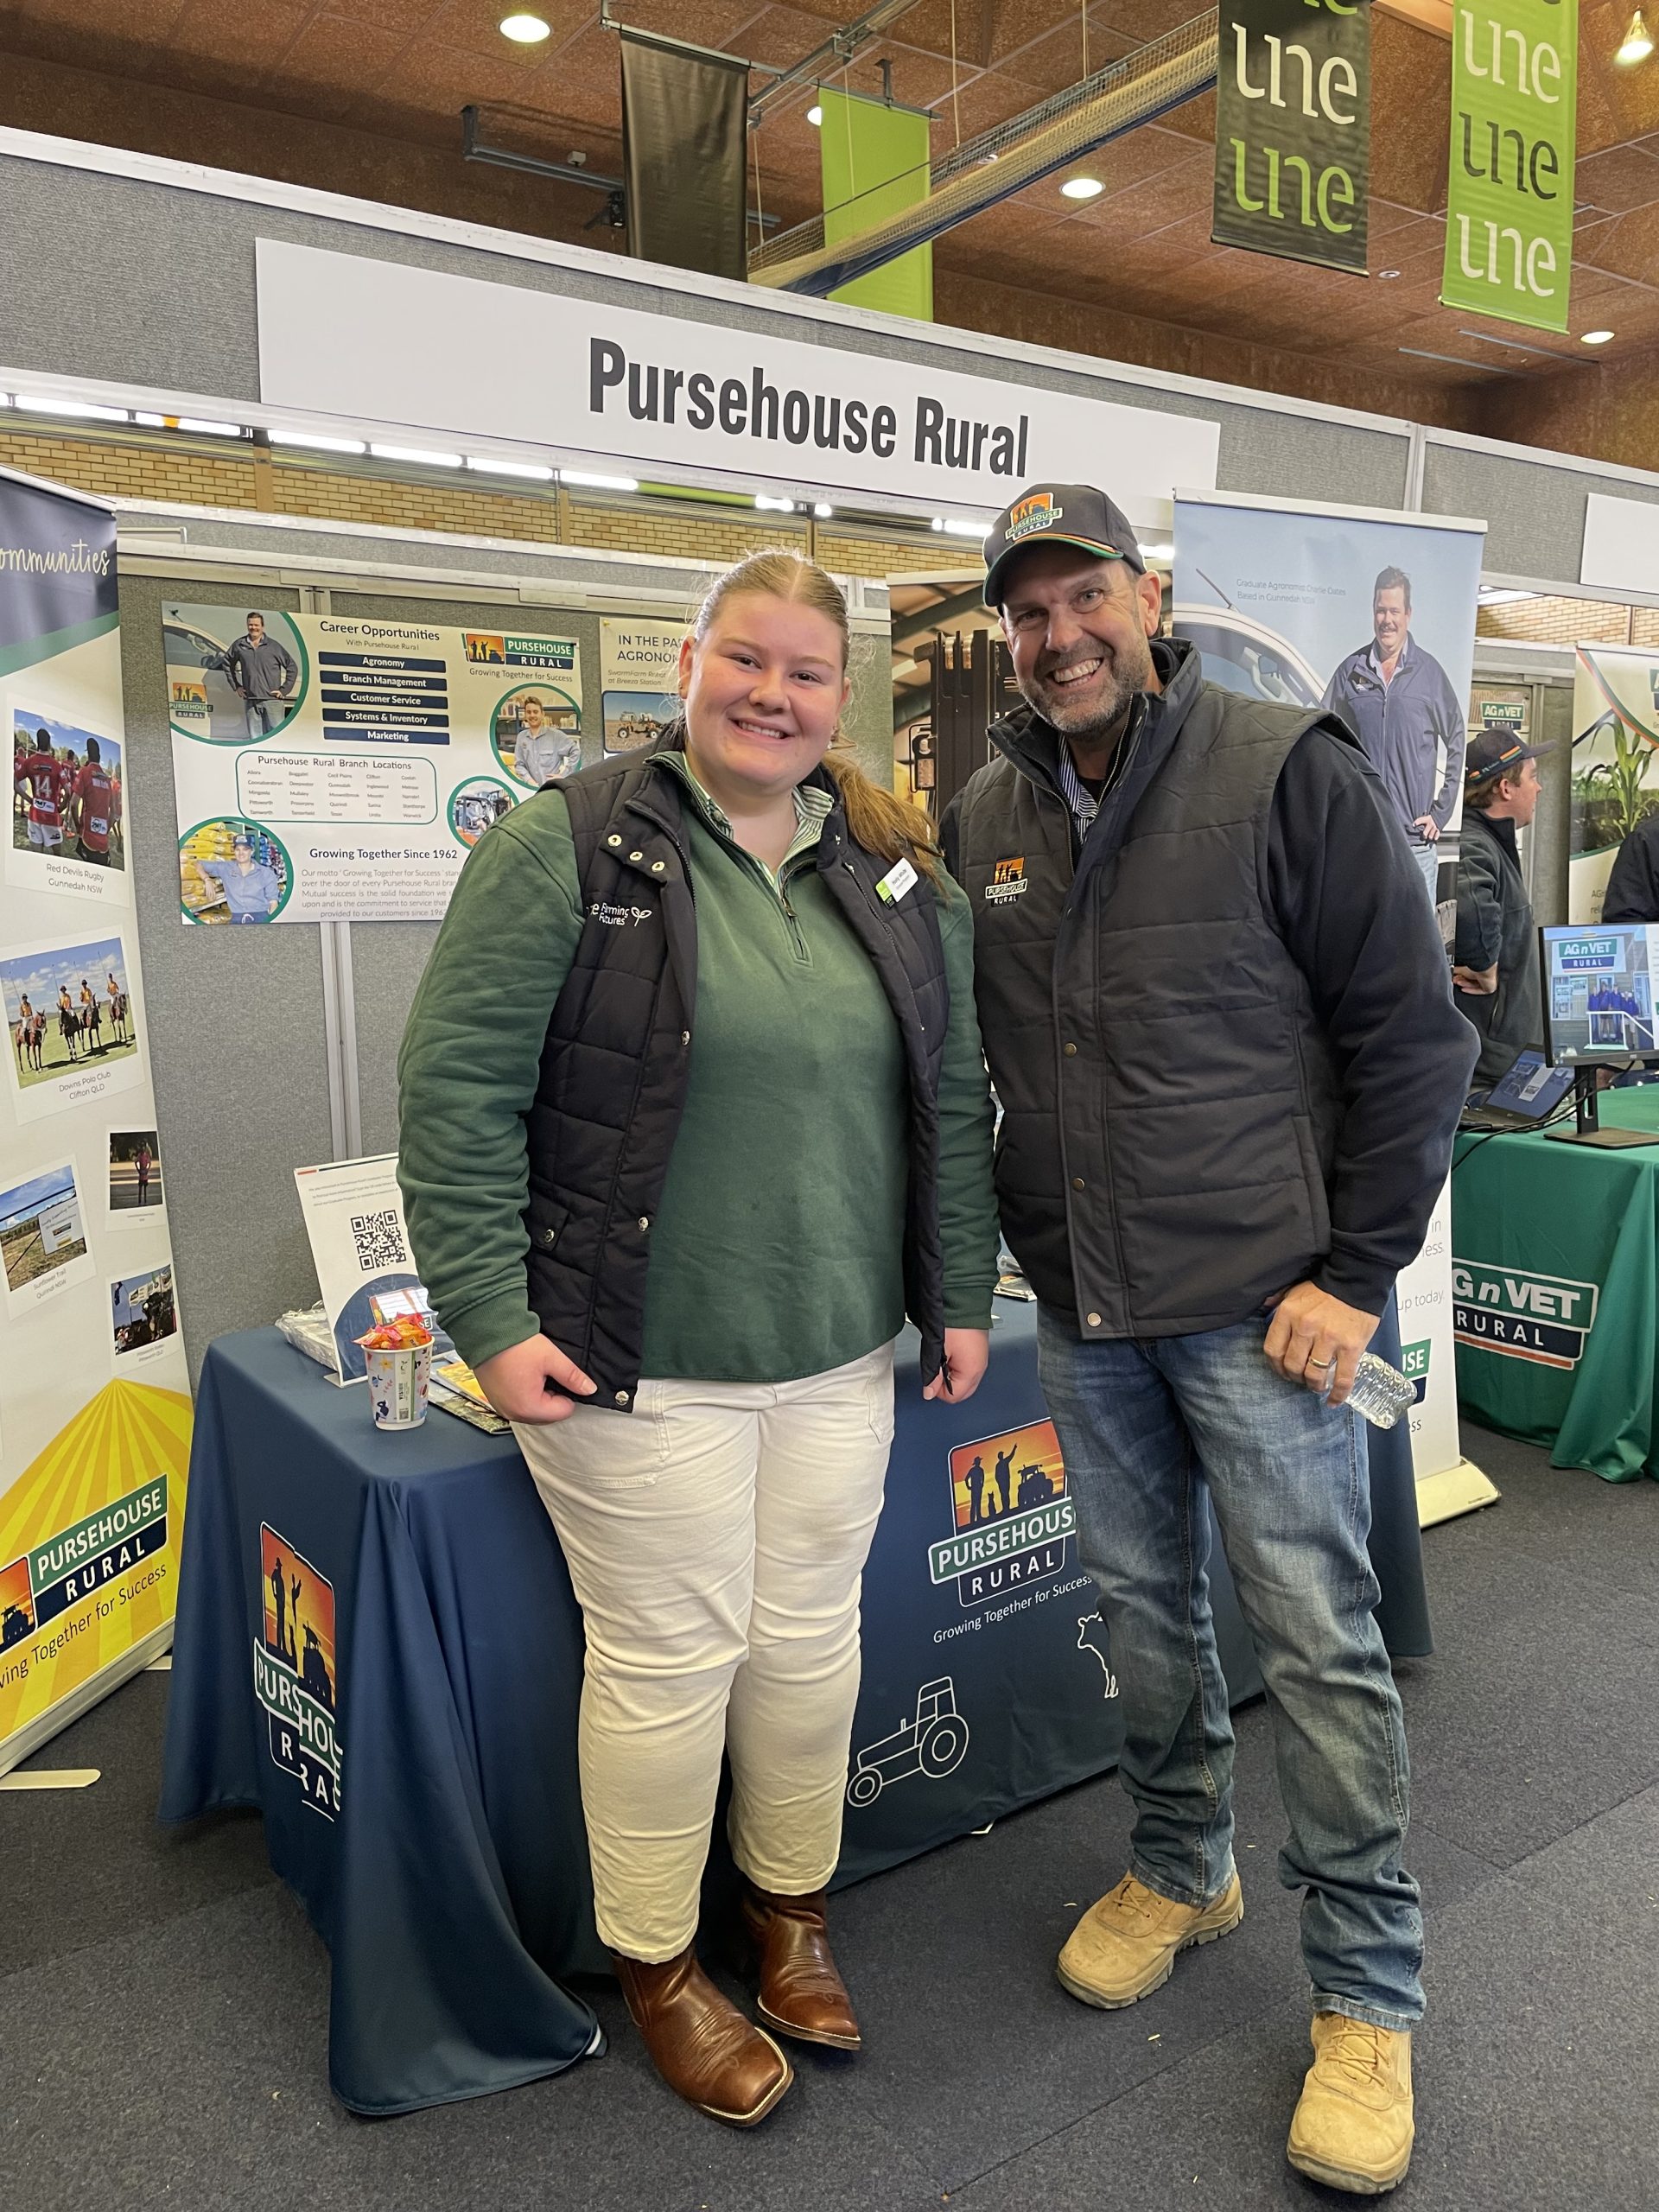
point(1039, 512)
point(1010, 1515)
point(296, 1676)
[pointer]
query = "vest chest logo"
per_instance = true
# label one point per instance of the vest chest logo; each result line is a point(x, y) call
point(1038, 512)
point(1008, 881)
point(618, 918)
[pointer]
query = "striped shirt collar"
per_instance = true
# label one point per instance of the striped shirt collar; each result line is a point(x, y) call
point(1077, 794)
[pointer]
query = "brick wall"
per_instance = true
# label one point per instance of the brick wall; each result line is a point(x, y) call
point(1546, 620)
point(174, 469)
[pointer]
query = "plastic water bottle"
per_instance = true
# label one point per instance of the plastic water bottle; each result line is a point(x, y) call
point(1380, 1392)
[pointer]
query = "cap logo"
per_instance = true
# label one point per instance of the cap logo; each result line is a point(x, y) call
point(1038, 512)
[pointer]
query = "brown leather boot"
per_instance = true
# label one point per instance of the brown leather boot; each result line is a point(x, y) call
point(801, 1994)
point(699, 2042)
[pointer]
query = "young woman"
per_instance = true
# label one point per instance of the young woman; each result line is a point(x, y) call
point(694, 1110)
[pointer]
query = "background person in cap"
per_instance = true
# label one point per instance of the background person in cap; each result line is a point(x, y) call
point(1399, 703)
point(1218, 1016)
point(1494, 954)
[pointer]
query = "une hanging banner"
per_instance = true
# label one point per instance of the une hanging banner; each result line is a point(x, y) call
point(1347, 608)
point(1293, 130)
point(95, 1411)
point(1509, 216)
point(876, 164)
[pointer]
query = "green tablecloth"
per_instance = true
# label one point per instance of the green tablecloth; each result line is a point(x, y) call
point(1555, 1290)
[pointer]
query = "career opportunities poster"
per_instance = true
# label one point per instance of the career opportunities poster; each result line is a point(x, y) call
point(331, 768)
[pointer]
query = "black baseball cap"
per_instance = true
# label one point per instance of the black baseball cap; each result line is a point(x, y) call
point(1059, 514)
point(1495, 752)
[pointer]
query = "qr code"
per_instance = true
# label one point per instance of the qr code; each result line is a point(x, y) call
point(379, 1241)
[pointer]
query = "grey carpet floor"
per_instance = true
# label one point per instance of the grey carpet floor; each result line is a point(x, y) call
point(163, 2002)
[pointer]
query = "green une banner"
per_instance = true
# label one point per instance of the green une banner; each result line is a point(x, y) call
point(1509, 218)
point(1293, 129)
point(875, 165)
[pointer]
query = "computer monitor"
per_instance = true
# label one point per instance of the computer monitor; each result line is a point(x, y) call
point(1598, 992)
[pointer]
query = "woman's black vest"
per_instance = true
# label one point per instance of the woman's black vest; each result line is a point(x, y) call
point(618, 1054)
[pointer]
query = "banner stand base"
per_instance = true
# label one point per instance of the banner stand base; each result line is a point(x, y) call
point(28, 1739)
point(65, 1777)
point(1460, 1488)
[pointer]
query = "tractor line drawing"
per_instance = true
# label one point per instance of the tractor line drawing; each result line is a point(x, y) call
point(932, 1742)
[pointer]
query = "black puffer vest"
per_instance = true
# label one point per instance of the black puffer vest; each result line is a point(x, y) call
point(1171, 1108)
point(617, 1059)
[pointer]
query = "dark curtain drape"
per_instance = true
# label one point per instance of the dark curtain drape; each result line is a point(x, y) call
point(684, 141)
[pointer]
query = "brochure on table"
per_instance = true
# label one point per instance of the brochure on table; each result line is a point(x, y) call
point(328, 768)
point(354, 1218)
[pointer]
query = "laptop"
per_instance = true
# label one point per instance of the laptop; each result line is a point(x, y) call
point(1522, 1098)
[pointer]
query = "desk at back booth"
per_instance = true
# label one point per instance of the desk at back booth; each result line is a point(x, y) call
point(377, 1646)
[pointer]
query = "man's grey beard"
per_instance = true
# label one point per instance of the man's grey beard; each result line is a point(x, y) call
point(1097, 720)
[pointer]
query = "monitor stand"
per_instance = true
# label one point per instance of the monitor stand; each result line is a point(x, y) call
point(1586, 1119)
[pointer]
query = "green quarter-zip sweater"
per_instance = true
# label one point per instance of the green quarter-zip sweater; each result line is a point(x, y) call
point(776, 1250)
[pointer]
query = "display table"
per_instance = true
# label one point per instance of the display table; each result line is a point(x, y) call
point(1555, 1290)
point(377, 1644)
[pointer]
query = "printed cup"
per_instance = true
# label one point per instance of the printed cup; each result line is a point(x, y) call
point(397, 1381)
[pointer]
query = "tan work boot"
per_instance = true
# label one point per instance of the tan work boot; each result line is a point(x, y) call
point(1126, 1946)
point(1352, 2126)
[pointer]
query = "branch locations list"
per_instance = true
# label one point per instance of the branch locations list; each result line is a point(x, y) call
point(329, 769)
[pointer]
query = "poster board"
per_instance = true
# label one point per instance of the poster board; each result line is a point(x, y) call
point(94, 1401)
point(334, 768)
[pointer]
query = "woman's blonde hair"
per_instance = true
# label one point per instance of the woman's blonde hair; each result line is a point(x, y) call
point(878, 819)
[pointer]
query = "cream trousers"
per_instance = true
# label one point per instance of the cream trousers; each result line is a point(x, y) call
point(716, 1537)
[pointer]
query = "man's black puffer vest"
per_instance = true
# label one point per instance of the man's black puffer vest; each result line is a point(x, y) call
point(617, 1060)
point(1171, 1105)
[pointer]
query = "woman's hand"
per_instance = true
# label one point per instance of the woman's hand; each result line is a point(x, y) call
point(533, 1381)
point(967, 1354)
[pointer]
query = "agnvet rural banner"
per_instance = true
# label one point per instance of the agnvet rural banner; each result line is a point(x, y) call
point(331, 769)
point(1615, 765)
point(1371, 614)
point(94, 1396)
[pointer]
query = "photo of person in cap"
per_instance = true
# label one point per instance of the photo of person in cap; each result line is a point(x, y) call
point(1399, 702)
point(1494, 954)
point(1218, 1019)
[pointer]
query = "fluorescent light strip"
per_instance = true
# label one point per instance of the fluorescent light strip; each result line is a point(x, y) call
point(314, 442)
point(534, 469)
point(419, 455)
point(201, 428)
point(770, 505)
point(599, 483)
point(81, 410)
point(959, 526)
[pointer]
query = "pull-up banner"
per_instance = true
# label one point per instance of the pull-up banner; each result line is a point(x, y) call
point(1509, 217)
point(685, 140)
point(1293, 129)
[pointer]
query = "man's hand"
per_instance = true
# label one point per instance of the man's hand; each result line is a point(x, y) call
point(526, 1381)
point(1430, 828)
point(1482, 981)
point(1314, 1339)
point(967, 1354)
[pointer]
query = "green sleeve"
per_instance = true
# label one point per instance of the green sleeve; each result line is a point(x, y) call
point(968, 1223)
point(468, 1069)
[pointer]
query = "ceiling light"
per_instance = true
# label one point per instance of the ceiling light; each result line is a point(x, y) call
point(1158, 552)
point(822, 512)
point(532, 468)
point(815, 116)
point(600, 483)
point(202, 428)
point(523, 30)
point(416, 454)
point(316, 443)
point(1638, 46)
point(1387, 276)
point(1083, 188)
point(1500, 596)
point(33, 404)
point(1595, 337)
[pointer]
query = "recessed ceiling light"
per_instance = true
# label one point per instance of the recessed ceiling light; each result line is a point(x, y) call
point(419, 453)
point(1595, 337)
point(523, 30)
point(1387, 276)
point(1083, 188)
point(815, 116)
point(1639, 43)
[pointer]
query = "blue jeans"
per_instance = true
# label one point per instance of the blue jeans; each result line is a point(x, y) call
point(1147, 1426)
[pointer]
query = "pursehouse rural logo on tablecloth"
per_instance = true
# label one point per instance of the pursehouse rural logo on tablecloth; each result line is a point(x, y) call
point(1010, 1516)
point(296, 1673)
point(1521, 1314)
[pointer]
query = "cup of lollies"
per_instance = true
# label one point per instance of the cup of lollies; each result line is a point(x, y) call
point(397, 1358)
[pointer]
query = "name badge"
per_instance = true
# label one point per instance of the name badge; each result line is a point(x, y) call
point(899, 879)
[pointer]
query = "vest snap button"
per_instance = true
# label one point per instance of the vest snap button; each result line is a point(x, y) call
point(636, 856)
point(1094, 1321)
point(685, 1036)
point(613, 840)
point(644, 1221)
point(1078, 1183)
point(549, 1236)
point(1071, 1051)
point(621, 1398)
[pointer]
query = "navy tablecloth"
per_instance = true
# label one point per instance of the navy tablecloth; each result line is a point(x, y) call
point(376, 1645)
